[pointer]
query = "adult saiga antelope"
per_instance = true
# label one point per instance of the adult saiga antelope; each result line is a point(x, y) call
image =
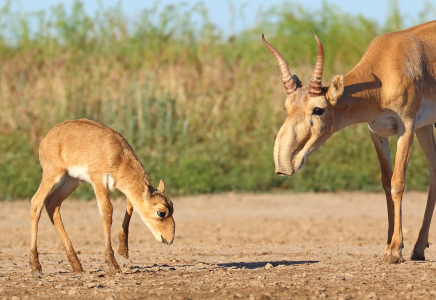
point(84, 150)
point(393, 89)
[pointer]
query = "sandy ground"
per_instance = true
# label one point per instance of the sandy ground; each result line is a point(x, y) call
point(255, 246)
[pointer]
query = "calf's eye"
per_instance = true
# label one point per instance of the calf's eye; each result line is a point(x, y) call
point(318, 111)
point(161, 214)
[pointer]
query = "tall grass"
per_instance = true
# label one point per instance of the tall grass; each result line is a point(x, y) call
point(201, 110)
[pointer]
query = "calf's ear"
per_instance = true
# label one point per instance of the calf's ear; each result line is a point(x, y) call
point(161, 187)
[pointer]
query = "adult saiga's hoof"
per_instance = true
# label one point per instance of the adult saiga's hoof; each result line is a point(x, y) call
point(395, 259)
point(123, 248)
point(417, 254)
point(393, 256)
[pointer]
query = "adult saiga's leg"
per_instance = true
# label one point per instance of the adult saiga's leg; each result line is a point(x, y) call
point(53, 205)
point(123, 236)
point(384, 156)
point(50, 177)
point(426, 140)
point(106, 210)
point(404, 148)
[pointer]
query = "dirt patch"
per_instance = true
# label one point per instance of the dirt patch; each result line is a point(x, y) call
point(259, 246)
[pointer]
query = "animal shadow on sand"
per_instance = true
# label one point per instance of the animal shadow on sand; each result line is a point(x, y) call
point(234, 265)
point(261, 264)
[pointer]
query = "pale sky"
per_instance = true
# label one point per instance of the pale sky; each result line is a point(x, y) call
point(219, 9)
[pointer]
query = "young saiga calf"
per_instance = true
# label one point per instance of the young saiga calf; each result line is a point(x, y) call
point(84, 150)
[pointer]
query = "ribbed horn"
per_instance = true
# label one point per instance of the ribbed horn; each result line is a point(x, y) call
point(315, 81)
point(289, 83)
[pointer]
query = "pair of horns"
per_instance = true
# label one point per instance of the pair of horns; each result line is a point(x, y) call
point(290, 85)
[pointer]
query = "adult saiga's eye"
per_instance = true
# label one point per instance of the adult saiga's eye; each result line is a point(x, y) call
point(318, 111)
point(161, 214)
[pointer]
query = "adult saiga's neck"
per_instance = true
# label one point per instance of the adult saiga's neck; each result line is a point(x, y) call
point(360, 101)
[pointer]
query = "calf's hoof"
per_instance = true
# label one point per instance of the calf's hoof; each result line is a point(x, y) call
point(77, 269)
point(123, 251)
point(112, 263)
point(75, 263)
point(36, 271)
point(35, 266)
point(114, 270)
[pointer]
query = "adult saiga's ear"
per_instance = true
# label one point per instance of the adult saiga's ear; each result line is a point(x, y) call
point(161, 187)
point(336, 89)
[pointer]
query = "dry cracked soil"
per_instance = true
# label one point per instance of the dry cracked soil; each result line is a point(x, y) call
point(227, 246)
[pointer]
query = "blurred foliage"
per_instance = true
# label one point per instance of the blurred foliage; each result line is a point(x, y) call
point(200, 110)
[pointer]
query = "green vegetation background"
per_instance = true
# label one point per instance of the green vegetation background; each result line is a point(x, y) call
point(200, 109)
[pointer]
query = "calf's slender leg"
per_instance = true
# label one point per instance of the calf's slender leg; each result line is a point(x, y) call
point(106, 210)
point(384, 156)
point(404, 148)
point(427, 141)
point(50, 177)
point(123, 236)
point(53, 205)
